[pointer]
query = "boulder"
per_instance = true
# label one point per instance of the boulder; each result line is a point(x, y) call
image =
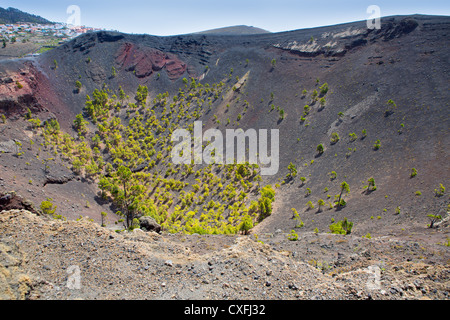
point(149, 224)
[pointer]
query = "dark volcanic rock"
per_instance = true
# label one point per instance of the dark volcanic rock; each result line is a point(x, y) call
point(149, 224)
point(103, 36)
point(49, 179)
point(396, 30)
point(10, 201)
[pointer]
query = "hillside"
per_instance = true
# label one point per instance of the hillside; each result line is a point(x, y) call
point(13, 15)
point(234, 30)
point(43, 261)
point(104, 105)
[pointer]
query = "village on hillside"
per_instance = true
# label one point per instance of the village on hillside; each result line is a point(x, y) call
point(45, 36)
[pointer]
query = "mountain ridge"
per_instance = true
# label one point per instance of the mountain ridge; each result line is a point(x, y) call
point(234, 30)
point(12, 15)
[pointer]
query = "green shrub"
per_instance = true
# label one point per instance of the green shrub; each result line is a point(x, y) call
point(334, 137)
point(47, 207)
point(320, 148)
point(292, 171)
point(246, 224)
point(364, 133)
point(439, 192)
point(353, 136)
point(341, 227)
point(333, 175)
point(292, 236)
point(78, 86)
point(324, 89)
point(308, 192)
point(377, 145)
point(433, 219)
point(371, 182)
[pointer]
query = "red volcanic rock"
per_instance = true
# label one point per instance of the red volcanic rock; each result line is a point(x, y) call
point(144, 61)
point(17, 92)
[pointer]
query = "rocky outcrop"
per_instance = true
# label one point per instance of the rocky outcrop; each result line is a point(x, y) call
point(339, 43)
point(392, 30)
point(61, 179)
point(149, 224)
point(144, 61)
point(10, 201)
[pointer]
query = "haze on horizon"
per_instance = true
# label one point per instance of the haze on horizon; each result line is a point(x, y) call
point(181, 17)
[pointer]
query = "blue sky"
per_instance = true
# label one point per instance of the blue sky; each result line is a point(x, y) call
point(169, 17)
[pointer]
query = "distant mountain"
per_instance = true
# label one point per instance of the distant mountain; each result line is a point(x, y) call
point(234, 30)
point(13, 15)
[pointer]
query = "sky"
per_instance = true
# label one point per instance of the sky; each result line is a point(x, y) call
point(173, 17)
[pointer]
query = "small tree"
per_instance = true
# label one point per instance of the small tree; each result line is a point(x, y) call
point(308, 192)
point(302, 179)
point(320, 148)
point(122, 95)
point(341, 227)
point(364, 134)
point(273, 63)
point(320, 203)
point(47, 207)
point(324, 89)
point(333, 175)
point(292, 171)
point(352, 136)
point(28, 115)
point(18, 147)
point(322, 102)
point(433, 219)
point(334, 137)
point(78, 86)
point(371, 182)
point(52, 126)
point(439, 192)
point(344, 188)
point(413, 172)
point(377, 145)
point(391, 107)
point(246, 224)
point(35, 123)
point(292, 236)
point(297, 218)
